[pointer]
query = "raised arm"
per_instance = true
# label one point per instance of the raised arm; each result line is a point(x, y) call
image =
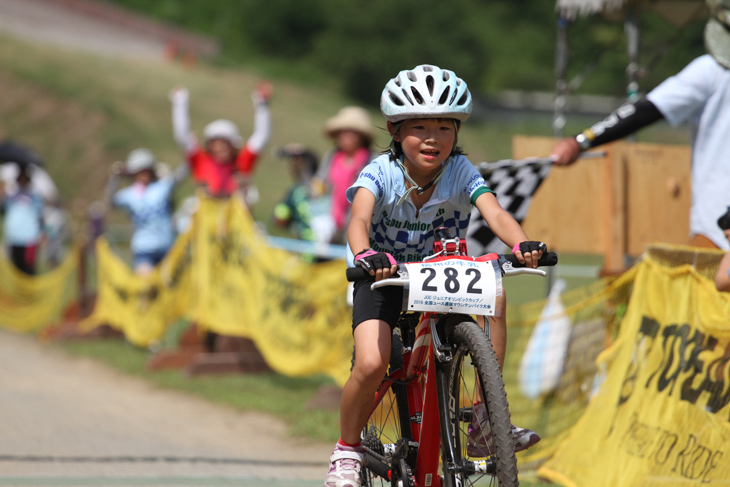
point(115, 172)
point(181, 120)
point(261, 119)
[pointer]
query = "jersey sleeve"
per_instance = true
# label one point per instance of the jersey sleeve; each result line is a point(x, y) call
point(121, 198)
point(372, 178)
point(471, 184)
point(261, 128)
point(684, 95)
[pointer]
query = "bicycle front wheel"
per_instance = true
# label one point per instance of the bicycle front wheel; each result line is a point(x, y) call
point(480, 436)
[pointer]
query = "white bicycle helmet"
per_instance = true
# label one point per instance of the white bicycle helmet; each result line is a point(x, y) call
point(223, 129)
point(140, 160)
point(425, 92)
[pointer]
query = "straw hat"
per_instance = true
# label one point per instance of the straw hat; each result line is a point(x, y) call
point(350, 118)
point(717, 36)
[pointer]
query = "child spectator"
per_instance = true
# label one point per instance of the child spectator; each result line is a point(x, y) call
point(148, 200)
point(23, 222)
point(224, 163)
point(306, 215)
point(352, 131)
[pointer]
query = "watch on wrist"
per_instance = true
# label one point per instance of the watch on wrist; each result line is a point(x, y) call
point(583, 141)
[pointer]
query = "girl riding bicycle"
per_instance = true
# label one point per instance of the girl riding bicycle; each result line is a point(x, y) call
point(421, 183)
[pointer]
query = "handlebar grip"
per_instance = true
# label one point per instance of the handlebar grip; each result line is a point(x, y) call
point(547, 259)
point(356, 274)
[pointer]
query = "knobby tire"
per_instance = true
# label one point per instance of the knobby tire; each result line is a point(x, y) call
point(474, 355)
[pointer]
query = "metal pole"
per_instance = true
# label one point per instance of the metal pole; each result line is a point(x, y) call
point(633, 41)
point(562, 55)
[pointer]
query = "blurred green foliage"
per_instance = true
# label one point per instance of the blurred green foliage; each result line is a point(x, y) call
point(494, 45)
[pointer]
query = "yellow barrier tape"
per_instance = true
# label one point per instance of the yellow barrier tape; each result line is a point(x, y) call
point(30, 303)
point(662, 415)
point(141, 307)
point(222, 275)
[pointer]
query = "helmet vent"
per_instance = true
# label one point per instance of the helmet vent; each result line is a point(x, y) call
point(427, 68)
point(429, 84)
point(458, 81)
point(462, 100)
point(453, 97)
point(408, 97)
point(444, 96)
point(397, 81)
point(412, 76)
point(395, 99)
point(446, 76)
point(417, 95)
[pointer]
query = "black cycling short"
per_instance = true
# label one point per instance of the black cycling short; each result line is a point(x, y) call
point(384, 303)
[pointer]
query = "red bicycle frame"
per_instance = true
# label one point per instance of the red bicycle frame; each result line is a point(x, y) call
point(422, 402)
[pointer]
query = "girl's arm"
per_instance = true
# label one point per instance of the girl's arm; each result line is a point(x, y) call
point(358, 236)
point(361, 217)
point(181, 120)
point(505, 227)
point(722, 278)
point(249, 155)
point(112, 185)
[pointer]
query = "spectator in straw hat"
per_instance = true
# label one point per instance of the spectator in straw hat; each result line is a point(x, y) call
point(352, 131)
point(699, 94)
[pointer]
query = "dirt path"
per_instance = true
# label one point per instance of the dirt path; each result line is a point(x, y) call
point(69, 421)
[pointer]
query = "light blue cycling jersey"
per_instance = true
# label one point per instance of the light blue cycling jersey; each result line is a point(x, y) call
point(405, 232)
point(151, 212)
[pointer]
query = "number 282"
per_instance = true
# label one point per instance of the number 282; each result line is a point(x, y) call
point(452, 283)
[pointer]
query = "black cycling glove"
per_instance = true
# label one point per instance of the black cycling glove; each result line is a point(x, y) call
point(371, 260)
point(529, 246)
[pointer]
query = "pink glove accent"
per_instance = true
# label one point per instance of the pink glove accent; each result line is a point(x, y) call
point(516, 247)
point(368, 253)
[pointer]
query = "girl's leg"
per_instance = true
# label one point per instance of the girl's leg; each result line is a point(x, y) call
point(372, 354)
point(523, 438)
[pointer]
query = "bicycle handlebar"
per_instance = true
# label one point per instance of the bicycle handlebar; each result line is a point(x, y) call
point(548, 259)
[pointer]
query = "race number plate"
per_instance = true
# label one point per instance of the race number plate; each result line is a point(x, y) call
point(454, 286)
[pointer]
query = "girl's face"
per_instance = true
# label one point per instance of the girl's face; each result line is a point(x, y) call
point(145, 177)
point(426, 143)
point(349, 141)
point(221, 150)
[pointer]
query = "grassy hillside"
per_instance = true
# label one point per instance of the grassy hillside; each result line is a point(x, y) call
point(81, 112)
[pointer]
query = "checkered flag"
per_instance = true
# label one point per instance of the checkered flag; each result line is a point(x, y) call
point(515, 182)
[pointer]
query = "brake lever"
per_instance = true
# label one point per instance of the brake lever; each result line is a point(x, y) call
point(401, 280)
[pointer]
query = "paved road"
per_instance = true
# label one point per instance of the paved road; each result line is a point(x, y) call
point(70, 421)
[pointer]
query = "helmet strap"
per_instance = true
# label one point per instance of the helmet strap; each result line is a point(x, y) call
point(415, 187)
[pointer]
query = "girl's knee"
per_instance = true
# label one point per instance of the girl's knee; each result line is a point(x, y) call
point(370, 368)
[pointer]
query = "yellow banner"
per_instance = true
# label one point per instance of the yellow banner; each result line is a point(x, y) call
point(662, 415)
point(29, 303)
point(141, 307)
point(295, 312)
point(222, 275)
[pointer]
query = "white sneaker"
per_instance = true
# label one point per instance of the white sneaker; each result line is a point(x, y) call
point(345, 466)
